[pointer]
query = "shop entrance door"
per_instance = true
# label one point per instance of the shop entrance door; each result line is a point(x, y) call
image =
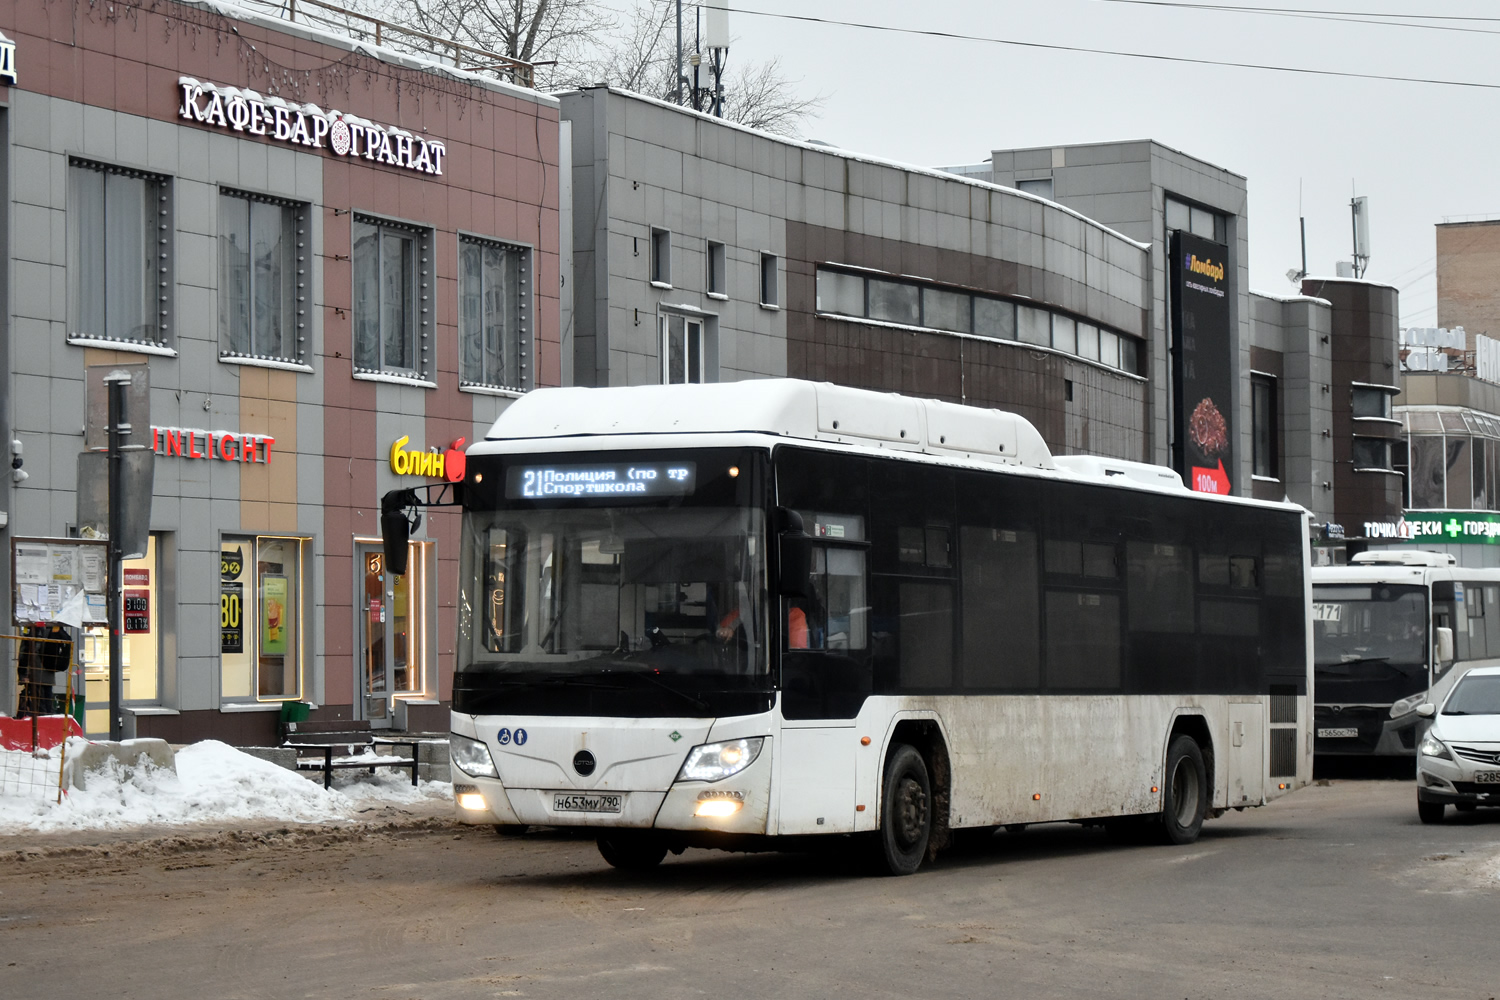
point(385, 647)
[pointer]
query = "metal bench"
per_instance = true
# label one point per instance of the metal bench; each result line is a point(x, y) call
point(325, 762)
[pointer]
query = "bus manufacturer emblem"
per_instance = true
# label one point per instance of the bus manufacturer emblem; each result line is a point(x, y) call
point(674, 736)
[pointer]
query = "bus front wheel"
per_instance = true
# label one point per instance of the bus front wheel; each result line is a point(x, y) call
point(905, 812)
point(632, 852)
point(1185, 794)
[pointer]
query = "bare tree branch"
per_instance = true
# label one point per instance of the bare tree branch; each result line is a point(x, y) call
point(590, 44)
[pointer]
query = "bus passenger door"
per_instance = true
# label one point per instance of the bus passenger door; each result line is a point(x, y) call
point(1247, 754)
point(816, 777)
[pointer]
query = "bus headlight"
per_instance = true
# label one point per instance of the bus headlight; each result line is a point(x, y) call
point(716, 761)
point(1431, 746)
point(1407, 704)
point(471, 756)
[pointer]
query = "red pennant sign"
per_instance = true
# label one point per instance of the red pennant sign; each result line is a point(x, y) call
point(1210, 480)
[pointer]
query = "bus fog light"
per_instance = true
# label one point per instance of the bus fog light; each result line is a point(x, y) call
point(719, 804)
point(471, 800)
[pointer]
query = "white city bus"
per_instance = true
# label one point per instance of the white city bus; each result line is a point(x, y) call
point(737, 615)
point(1391, 630)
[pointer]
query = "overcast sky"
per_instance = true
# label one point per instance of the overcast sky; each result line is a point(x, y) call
point(1419, 152)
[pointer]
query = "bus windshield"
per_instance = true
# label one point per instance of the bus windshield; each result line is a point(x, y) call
point(585, 587)
point(1369, 642)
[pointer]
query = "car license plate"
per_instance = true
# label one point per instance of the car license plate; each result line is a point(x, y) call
point(1334, 734)
point(1487, 777)
point(589, 803)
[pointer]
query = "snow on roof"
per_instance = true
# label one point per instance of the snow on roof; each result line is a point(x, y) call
point(824, 148)
point(1351, 281)
point(381, 52)
point(1290, 298)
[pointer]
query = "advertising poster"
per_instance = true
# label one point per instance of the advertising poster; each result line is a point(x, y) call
point(1203, 380)
point(231, 618)
point(273, 611)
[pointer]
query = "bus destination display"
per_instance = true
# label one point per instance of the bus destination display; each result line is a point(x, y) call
point(628, 479)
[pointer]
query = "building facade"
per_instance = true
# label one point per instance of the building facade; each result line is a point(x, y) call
point(704, 251)
point(338, 263)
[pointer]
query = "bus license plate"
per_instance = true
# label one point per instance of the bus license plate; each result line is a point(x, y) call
point(1333, 734)
point(1487, 777)
point(589, 803)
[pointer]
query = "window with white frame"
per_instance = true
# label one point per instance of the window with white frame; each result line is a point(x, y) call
point(494, 282)
point(681, 348)
point(262, 305)
point(661, 257)
point(119, 254)
point(769, 273)
point(716, 278)
point(392, 276)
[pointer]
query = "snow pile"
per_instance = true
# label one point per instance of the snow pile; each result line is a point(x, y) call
point(214, 783)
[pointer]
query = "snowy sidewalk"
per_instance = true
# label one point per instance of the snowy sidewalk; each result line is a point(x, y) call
point(216, 787)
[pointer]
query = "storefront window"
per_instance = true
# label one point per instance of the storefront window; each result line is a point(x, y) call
point(262, 636)
point(140, 659)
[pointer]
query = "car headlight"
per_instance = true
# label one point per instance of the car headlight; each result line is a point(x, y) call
point(1431, 746)
point(715, 761)
point(1407, 704)
point(471, 756)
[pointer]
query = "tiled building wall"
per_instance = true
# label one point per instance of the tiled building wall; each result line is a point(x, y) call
point(1124, 185)
point(1364, 349)
point(1295, 331)
point(640, 164)
point(109, 91)
point(1468, 258)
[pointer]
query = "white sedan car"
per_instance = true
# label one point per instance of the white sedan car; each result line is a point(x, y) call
point(1458, 761)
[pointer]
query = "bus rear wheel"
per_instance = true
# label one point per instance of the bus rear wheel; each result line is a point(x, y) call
point(630, 851)
point(905, 812)
point(1185, 794)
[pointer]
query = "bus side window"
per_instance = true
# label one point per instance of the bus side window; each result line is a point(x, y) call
point(836, 617)
point(1001, 619)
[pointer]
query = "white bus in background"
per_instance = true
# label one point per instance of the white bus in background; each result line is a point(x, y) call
point(742, 614)
point(1391, 630)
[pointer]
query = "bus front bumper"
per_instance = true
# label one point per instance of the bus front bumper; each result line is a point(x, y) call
point(1363, 730)
point(739, 804)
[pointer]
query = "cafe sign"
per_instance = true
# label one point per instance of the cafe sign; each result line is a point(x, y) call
point(447, 465)
point(308, 125)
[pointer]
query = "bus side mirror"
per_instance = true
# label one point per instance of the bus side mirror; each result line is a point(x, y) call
point(395, 530)
point(794, 555)
point(1427, 710)
point(1444, 644)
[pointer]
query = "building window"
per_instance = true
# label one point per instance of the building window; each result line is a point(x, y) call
point(1202, 222)
point(716, 276)
point(911, 304)
point(841, 293)
point(492, 313)
point(1371, 402)
point(944, 310)
point(263, 640)
point(1039, 186)
point(769, 294)
point(391, 284)
point(681, 349)
point(1034, 326)
point(119, 254)
point(261, 302)
point(661, 257)
point(1372, 453)
point(140, 643)
point(1263, 426)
